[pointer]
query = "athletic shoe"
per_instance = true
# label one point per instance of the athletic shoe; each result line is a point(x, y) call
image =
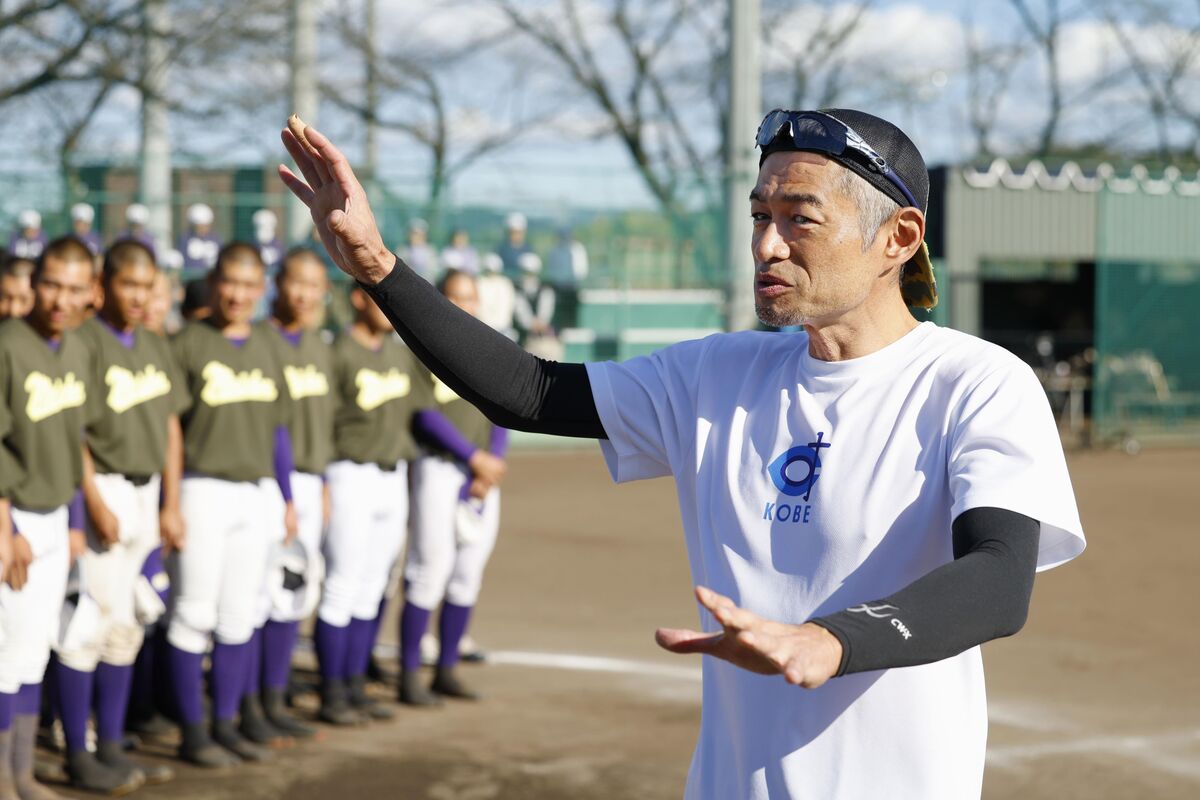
point(412, 693)
point(335, 705)
point(226, 734)
point(88, 773)
point(275, 707)
point(256, 727)
point(447, 684)
point(470, 651)
point(112, 754)
point(198, 748)
point(367, 706)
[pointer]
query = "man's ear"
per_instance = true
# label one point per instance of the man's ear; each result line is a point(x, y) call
point(905, 234)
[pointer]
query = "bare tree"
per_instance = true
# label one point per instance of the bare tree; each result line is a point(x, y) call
point(989, 67)
point(1045, 32)
point(811, 60)
point(430, 112)
point(652, 81)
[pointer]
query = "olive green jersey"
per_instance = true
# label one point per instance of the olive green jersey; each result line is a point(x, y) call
point(238, 398)
point(377, 396)
point(308, 371)
point(466, 418)
point(138, 388)
point(45, 403)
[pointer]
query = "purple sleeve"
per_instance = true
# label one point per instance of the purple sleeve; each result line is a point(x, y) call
point(75, 513)
point(499, 443)
point(435, 425)
point(284, 463)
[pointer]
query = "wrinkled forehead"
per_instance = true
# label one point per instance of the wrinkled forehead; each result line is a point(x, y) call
point(789, 170)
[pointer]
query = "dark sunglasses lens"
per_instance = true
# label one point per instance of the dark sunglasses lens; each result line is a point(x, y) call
point(770, 127)
point(814, 133)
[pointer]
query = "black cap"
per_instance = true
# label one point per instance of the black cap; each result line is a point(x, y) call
point(918, 285)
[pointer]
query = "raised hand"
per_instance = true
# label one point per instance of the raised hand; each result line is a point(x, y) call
point(337, 202)
point(806, 655)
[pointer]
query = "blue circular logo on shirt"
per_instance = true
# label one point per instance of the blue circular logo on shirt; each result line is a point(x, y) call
point(796, 471)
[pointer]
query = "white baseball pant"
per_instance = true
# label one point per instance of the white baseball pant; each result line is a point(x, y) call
point(111, 572)
point(217, 579)
point(443, 562)
point(31, 616)
point(366, 534)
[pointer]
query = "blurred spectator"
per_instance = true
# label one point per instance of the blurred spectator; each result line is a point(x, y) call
point(195, 300)
point(496, 296)
point(417, 253)
point(82, 217)
point(460, 255)
point(533, 310)
point(266, 238)
point(158, 310)
point(514, 245)
point(199, 245)
point(16, 287)
point(29, 240)
point(566, 270)
point(137, 217)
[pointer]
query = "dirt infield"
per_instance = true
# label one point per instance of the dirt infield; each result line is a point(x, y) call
point(1098, 698)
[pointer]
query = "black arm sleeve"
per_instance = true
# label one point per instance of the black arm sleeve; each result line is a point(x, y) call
point(983, 594)
point(511, 387)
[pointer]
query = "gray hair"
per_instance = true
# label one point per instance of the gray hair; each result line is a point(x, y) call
point(874, 207)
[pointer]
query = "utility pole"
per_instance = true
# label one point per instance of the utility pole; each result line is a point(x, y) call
point(372, 90)
point(741, 167)
point(304, 98)
point(155, 168)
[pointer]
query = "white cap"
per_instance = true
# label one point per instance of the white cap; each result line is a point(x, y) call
point(199, 214)
point(418, 224)
point(172, 259)
point(529, 262)
point(492, 262)
point(29, 219)
point(82, 212)
point(516, 221)
point(264, 218)
point(137, 214)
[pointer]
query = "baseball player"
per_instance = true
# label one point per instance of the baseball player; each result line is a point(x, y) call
point(368, 488)
point(455, 519)
point(29, 240)
point(199, 244)
point(45, 402)
point(137, 217)
point(235, 436)
point(16, 287)
point(301, 286)
point(871, 494)
point(82, 217)
point(138, 396)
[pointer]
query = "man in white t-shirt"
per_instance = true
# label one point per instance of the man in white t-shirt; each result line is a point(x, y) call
point(864, 504)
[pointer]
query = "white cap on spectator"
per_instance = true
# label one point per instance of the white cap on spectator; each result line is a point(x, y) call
point(29, 219)
point(529, 262)
point(418, 224)
point(199, 214)
point(492, 262)
point(516, 221)
point(265, 224)
point(137, 214)
point(82, 212)
point(172, 259)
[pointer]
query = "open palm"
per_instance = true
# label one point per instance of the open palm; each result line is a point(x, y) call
point(338, 206)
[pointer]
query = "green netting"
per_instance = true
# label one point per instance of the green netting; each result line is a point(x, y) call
point(1147, 370)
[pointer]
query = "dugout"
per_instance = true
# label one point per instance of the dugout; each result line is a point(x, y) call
point(1092, 277)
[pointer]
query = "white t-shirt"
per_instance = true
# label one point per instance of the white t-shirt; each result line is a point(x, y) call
point(807, 487)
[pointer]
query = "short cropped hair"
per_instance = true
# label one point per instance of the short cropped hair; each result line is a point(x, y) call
point(298, 255)
point(237, 253)
point(874, 207)
point(450, 275)
point(70, 249)
point(17, 266)
point(126, 253)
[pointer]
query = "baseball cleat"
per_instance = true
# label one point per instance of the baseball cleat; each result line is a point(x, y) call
point(151, 725)
point(112, 754)
point(367, 706)
point(199, 749)
point(412, 693)
point(447, 684)
point(335, 705)
point(87, 772)
point(470, 651)
point(275, 707)
point(256, 727)
point(23, 733)
point(225, 734)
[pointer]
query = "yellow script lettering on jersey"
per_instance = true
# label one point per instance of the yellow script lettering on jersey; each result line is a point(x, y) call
point(306, 381)
point(48, 396)
point(223, 385)
point(127, 389)
point(376, 388)
point(442, 393)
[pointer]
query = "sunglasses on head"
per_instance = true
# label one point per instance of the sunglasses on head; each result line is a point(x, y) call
point(813, 130)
